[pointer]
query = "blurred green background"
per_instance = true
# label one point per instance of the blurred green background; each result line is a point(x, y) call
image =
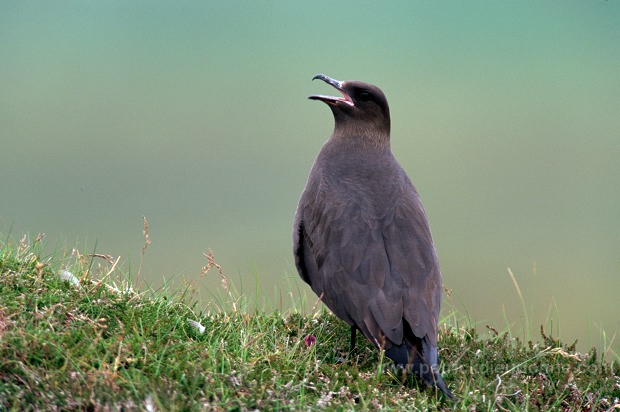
point(506, 115)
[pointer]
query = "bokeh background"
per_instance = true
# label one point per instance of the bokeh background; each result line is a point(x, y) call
point(506, 115)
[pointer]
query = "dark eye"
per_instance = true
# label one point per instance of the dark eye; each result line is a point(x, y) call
point(364, 95)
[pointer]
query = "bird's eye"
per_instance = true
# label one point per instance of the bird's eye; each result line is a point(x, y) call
point(364, 95)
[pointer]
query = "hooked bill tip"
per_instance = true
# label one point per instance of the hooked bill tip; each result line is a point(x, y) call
point(335, 83)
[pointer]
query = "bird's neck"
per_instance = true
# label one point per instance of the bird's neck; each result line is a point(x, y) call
point(358, 135)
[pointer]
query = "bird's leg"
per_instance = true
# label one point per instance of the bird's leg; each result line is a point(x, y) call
point(342, 359)
point(353, 331)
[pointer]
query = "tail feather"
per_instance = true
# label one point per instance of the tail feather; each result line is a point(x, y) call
point(432, 377)
point(401, 355)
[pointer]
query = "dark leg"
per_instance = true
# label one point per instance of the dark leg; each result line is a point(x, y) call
point(353, 330)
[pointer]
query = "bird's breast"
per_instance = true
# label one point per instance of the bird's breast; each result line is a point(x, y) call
point(376, 183)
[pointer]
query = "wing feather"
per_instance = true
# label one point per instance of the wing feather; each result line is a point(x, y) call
point(367, 249)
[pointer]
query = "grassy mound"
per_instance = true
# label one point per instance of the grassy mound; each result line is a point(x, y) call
point(75, 339)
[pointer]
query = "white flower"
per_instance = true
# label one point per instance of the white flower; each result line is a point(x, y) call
point(149, 403)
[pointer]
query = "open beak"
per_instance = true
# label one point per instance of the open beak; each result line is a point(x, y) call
point(346, 99)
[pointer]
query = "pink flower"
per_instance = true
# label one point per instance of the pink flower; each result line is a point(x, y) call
point(310, 340)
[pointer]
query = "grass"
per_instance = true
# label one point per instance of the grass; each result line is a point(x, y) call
point(101, 345)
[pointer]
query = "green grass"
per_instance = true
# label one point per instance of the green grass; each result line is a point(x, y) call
point(101, 345)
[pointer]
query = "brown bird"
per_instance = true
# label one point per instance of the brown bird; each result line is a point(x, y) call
point(361, 238)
